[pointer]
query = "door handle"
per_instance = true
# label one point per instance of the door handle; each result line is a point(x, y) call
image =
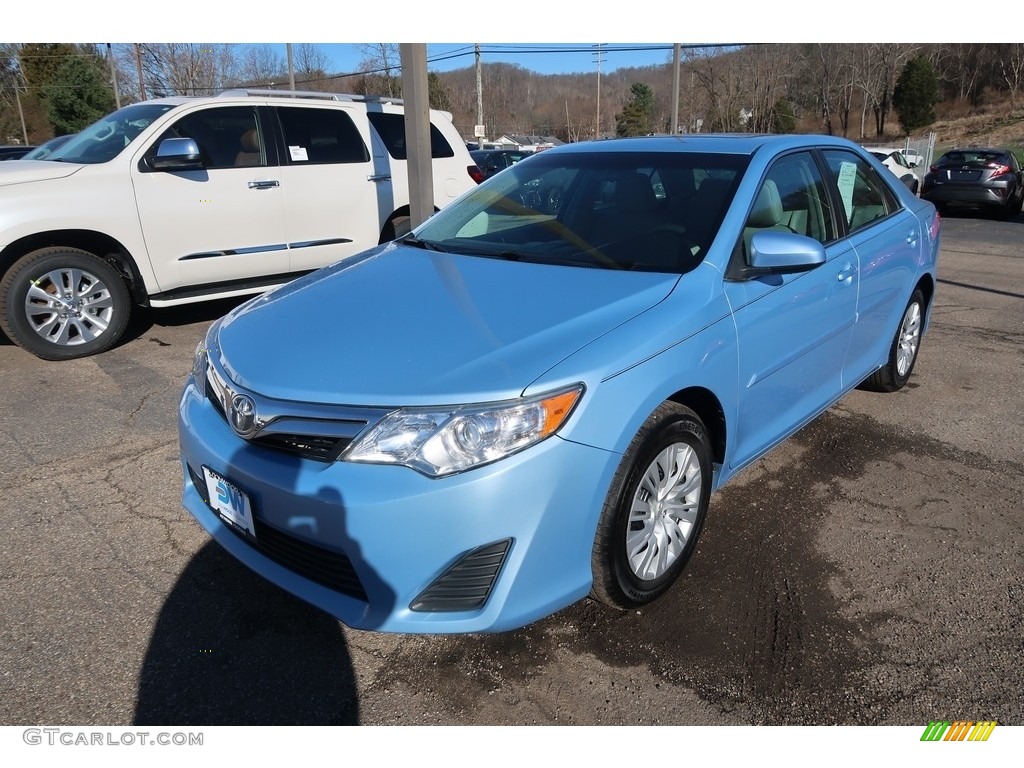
point(379, 177)
point(846, 273)
point(912, 237)
point(264, 184)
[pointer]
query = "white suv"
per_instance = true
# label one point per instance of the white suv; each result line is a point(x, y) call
point(179, 200)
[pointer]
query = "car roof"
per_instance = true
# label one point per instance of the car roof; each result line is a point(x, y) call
point(720, 143)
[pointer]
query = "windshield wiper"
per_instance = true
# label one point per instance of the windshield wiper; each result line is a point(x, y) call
point(426, 245)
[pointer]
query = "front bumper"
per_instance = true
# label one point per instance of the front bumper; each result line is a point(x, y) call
point(531, 518)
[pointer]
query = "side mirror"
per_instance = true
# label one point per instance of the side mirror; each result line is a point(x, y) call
point(779, 253)
point(177, 155)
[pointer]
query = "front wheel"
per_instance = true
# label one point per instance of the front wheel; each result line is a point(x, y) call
point(63, 303)
point(903, 351)
point(654, 511)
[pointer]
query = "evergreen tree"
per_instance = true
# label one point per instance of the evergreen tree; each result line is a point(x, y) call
point(78, 95)
point(636, 116)
point(916, 94)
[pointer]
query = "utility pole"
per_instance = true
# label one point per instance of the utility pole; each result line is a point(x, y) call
point(481, 131)
point(21, 114)
point(138, 65)
point(675, 88)
point(291, 69)
point(417, 131)
point(597, 128)
point(113, 76)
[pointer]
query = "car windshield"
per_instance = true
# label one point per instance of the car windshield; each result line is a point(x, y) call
point(104, 139)
point(649, 211)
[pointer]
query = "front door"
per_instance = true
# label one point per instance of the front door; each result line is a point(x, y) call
point(224, 223)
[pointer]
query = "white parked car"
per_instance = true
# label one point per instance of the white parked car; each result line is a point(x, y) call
point(896, 161)
point(179, 200)
point(914, 158)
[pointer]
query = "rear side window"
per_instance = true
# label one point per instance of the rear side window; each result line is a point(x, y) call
point(865, 196)
point(391, 129)
point(317, 136)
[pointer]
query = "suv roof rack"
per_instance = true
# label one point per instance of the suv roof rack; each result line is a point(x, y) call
point(310, 95)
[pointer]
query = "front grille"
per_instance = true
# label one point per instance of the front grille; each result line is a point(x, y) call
point(326, 567)
point(315, 447)
point(466, 585)
point(326, 439)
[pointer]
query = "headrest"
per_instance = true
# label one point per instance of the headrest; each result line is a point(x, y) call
point(767, 208)
point(634, 193)
point(250, 141)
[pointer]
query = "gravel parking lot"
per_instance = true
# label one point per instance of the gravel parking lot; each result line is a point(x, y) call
point(869, 571)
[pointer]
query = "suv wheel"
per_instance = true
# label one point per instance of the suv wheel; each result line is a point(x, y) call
point(63, 303)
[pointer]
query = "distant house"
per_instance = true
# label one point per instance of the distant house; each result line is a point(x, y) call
point(524, 142)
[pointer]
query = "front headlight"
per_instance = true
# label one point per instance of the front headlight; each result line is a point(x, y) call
point(441, 441)
point(199, 365)
point(202, 355)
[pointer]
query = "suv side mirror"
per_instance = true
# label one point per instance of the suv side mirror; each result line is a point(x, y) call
point(177, 155)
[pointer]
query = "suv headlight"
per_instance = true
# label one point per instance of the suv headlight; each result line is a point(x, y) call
point(442, 441)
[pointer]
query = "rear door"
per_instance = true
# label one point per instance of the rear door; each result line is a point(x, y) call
point(887, 239)
point(327, 175)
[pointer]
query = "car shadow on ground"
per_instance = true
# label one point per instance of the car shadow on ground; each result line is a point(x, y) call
point(147, 320)
point(229, 648)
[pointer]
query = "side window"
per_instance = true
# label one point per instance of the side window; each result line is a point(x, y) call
point(391, 129)
point(227, 136)
point(315, 136)
point(792, 198)
point(865, 196)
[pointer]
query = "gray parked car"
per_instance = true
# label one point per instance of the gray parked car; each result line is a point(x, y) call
point(987, 178)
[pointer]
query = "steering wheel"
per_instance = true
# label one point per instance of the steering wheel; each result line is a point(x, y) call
point(555, 199)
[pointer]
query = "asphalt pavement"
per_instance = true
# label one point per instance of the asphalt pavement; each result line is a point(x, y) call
point(866, 572)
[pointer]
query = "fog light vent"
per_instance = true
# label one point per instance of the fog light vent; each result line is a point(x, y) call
point(467, 584)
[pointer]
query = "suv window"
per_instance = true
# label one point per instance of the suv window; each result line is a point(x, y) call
point(391, 129)
point(227, 136)
point(313, 136)
point(865, 196)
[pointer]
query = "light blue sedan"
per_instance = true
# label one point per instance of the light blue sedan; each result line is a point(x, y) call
point(531, 398)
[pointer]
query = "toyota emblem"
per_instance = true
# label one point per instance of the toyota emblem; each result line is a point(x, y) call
point(242, 414)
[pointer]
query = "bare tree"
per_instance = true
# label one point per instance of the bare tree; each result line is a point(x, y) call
point(1011, 68)
point(766, 76)
point(260, 65)
point(311, 68)
point(188, 69)
point(381, 67)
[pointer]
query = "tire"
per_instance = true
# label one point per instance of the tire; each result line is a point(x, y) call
point(637, 556)
point(903, 352)
point(89, 318)
point(397, 227)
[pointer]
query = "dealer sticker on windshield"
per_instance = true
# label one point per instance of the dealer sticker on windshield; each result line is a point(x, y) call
point(229, 501)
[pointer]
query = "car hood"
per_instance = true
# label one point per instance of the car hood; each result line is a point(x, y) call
point(403, 326)
point(21, 171)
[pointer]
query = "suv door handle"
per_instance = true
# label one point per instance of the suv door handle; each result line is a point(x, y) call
point(912, 237)
point(264, 184)
point(379, 177)
point(846, 272)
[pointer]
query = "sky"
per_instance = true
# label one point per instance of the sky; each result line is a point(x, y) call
point(520, 28)
point(544, 58)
